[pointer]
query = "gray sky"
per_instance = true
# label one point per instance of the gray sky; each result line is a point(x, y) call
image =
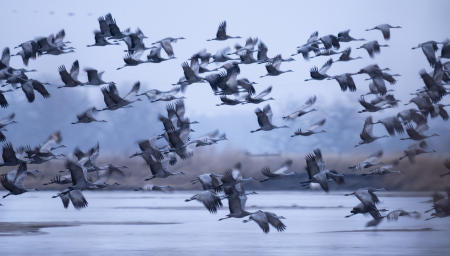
point(281, 25)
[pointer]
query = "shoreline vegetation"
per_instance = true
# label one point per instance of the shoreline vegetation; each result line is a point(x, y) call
point(424, 175)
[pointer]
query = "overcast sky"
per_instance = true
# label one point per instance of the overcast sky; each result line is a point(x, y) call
point(281, 25)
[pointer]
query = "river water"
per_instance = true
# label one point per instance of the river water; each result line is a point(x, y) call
point(152, 223)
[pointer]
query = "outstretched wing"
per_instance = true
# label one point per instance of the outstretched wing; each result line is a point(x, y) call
point(221, 31)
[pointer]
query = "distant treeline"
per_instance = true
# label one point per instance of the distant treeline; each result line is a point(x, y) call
point(424, 175)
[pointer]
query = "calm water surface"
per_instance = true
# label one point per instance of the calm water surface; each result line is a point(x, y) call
point(149, 223)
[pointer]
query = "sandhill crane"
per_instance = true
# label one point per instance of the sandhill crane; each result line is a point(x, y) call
point(303, 110)
point(13, 181)
point(155, 55)
point(209, 199)
point(369, 200)
point(28, 50)
point(246, 56)
point(305, 49)
point(10, 157)
point(208, 139)
point(392, 124)
point(377, 89)
point(235, 193)
point(381, 101)
point(260, 97)
point(135, 42)
point(31, 85)
point(177, 137)
point(412, 115)
point(263, 219)
point(221, 34)
point(232, 181)
point(279, 57)
point(261, 55)
point(94, 77)
point(372, 47)
point(148, 147)
point(44, 153)
point(423, 103)
point(416, 149)
point(89, 157)
point(53, 44)
point(367, 133)
point(320, 74)
point(218, 82)
point(311, 130)
point(368, 205)
point(273, 68)
point(318, 173)
point(344, 36)
point(222, 55)
point(283, 171)
point(441, 206)
point(153, 94)
point(236, 205)
point(310, 45)
point(5, 59)
point(209, 181)
point(80, 182)
point(345, 56)
point(370, 161)
point(439, 110)
point(373, 105)
point(230, 102)
point(329, 41)
point(104, 173)
point(265, 120)
point(389, 168)
point(75, 197)
point(100, 40)
point(203, 59)
point(373, 71)
point(385, 29)
point(114, 29)
point(198, 67)
point(132, 59)
point(166, 44)
point(445, 50)
point(176, 112)
point(157, 167)
point(326, 52)
point(417, 133)
point(429, 49)
point(247, 50)
point(345, 81)
point(189, 77)
point(434, 90)
point(70, 80)
point(165, 97)
point(112, 99)
point(5, 122)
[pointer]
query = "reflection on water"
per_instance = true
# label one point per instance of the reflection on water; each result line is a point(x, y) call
point(139, 223)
